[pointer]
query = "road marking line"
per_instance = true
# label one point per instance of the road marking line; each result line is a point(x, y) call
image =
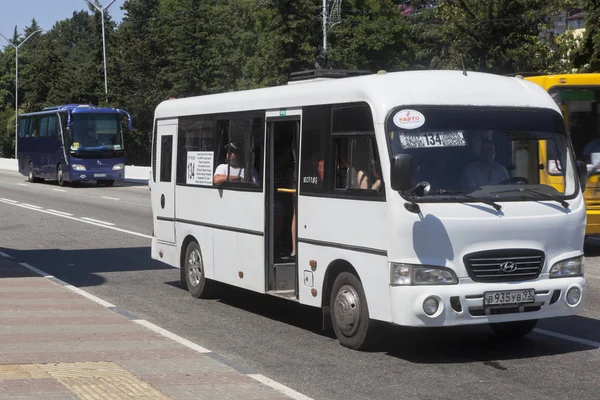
point(31, 206)
point(37, 271)
point(60, 212)
point(9, 200)
point(171, 336)
point(114, 228)
point(98, 221)
point(110, 198)
point(568, 337)
point(6, 255)
point(279, 387)
point(59, 190)
point(89, 296)
point(22, 184)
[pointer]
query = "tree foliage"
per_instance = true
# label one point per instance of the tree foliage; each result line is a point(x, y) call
point(179, 48)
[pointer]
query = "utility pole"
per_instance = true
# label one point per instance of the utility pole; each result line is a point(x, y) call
point(102, 10)
point(17, 84)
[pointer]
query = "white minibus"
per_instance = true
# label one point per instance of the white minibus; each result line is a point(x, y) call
point(415, 198)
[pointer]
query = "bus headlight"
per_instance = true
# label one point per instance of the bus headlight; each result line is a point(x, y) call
point(405, 274)
point(567, 268)
point(118, 167)
point(78, 167)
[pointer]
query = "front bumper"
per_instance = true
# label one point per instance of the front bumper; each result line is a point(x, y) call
point(407, 302)
point(93, 175)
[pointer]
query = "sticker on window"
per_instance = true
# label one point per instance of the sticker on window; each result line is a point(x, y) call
point(199, 168)
point(409, 119)
point(432, 139)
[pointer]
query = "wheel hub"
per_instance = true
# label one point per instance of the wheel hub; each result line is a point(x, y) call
point(195, 268)
point(347, 310)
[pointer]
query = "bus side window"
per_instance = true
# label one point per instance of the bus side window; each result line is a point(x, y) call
point(316, 131)
point(35, 127)
point(52, 126)
point(44, 127)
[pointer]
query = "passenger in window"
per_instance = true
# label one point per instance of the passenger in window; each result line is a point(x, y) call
point(232, 170)
point(370, 181)
point(484, 171)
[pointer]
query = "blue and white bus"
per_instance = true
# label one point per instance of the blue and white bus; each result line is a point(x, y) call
point(73, 143)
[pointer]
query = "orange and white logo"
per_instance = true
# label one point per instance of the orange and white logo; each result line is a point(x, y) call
point(409, 119)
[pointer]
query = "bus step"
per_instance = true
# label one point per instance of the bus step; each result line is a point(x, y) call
point(284, 294)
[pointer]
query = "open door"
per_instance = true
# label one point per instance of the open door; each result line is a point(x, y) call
point(281, 203)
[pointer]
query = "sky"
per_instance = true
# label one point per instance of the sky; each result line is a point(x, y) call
point(46, 12)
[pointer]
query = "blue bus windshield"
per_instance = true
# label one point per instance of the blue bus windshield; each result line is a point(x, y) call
point(96, 131)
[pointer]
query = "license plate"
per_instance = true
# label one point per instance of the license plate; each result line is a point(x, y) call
point(509, 297)
point(99, 175)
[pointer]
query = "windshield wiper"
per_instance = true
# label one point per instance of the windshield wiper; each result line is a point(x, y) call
point(533, 191)
point(455, 194)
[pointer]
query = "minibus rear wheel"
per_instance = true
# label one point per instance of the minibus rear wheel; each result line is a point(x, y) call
point(513, 330)
point(350, 313)
point(195, 278)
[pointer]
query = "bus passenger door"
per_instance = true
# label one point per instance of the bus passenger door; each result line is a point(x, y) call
point(163, 189)
point(283, 128)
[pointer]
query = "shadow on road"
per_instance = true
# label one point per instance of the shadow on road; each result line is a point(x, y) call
point(81, 267)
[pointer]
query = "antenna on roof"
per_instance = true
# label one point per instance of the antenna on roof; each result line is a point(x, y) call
point(462, 61)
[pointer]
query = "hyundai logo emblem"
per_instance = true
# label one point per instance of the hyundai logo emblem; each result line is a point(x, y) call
point(508, 266)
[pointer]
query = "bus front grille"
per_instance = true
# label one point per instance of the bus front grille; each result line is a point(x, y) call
point(504, 265)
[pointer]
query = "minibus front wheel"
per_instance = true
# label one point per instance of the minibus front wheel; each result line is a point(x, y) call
point(513, 330)
point(195, 278)
point(350, 313)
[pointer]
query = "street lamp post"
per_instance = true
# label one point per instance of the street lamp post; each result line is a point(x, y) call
point(102, 10)
point(17, 84)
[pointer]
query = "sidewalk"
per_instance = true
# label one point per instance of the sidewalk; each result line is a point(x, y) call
point(57, 344)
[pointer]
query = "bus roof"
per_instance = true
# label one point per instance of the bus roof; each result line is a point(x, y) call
point(74, 108)
point(382, 91)
point(549, 81)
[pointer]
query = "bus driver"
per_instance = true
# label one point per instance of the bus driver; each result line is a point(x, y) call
point(232, 163)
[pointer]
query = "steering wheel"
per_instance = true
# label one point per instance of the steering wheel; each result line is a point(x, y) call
point(515, 179)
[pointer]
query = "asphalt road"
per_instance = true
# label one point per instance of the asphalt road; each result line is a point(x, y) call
point(108, 255)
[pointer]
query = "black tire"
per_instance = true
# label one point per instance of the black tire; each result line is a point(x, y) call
point(60, 177)
point(513, 330)
point(350, 313)
point(195, 279)
point(30, 176)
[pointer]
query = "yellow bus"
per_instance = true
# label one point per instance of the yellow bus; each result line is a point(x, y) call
point(578, 96)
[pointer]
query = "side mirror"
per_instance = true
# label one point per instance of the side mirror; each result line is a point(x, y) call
point(582, 171)
point(401, 174)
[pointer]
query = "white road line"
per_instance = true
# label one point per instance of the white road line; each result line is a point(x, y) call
point(86, 222)
point(59, 212)
point(568, 337)
point(110, 198)
point(98, 221)
point(279, 387)
point(37, 271)
point(171, 336)
point(22, 184)
point(6, 255)
point(59, 190)
point(9, 200)
point(31, 206)
point(89, 296)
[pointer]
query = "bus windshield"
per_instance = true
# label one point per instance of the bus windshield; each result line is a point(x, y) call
point(96, 131)
point(501, 154)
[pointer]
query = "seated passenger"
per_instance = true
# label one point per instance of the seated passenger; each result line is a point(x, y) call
point(484, 171)
point(233, 165)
